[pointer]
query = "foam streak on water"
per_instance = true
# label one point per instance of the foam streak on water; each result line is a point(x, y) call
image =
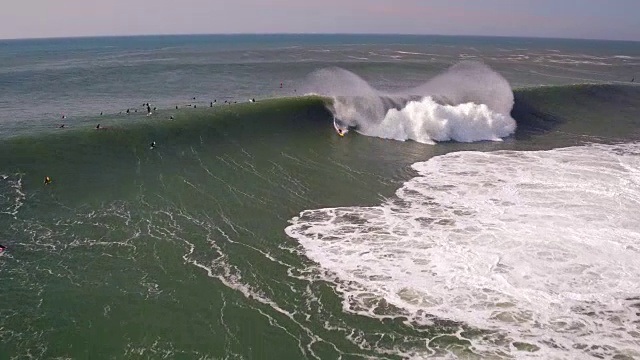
point(541, 247)
point(11, 194)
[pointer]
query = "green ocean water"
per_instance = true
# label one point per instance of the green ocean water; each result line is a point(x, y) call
point(179, 251)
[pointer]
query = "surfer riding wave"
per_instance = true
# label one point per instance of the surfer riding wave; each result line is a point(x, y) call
point(341, 128)
point(468, 102)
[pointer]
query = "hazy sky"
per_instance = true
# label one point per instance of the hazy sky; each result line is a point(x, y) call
point(601, 19)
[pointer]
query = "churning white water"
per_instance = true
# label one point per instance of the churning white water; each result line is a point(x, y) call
point(469, 102)
point(541, 247)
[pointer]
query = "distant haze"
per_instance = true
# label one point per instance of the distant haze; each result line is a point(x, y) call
point(594, 19)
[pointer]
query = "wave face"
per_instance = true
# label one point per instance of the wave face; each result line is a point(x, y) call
point(531, 246)
point(469, 102)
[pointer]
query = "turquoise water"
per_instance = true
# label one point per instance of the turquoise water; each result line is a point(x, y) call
point(214, 244)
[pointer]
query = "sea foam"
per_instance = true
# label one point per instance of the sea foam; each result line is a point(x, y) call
point(539, 248)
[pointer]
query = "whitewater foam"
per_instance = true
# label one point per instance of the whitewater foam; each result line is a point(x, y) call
point(426, 121)
point(540, 248)
point(469, 102)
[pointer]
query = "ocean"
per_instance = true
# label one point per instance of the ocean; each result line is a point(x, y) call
point(483, 204)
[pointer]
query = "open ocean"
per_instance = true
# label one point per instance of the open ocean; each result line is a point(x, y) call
point(485, 203)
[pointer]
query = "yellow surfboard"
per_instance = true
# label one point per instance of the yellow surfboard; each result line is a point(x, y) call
point(342, 131)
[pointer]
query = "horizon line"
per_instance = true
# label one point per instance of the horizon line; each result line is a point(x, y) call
point(309, 33)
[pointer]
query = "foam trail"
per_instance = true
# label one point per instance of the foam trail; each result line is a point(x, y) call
point(11, 194)
point(469, 102)
point(540, 247)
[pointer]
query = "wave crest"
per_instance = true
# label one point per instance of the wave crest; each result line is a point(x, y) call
point(469, 102)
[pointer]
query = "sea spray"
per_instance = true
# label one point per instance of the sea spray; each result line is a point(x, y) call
point(427, 121)
point(469, 102)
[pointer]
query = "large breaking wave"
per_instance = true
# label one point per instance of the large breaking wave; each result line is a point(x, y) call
point(469, 102)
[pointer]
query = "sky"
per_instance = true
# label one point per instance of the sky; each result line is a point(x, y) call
point(591, 19)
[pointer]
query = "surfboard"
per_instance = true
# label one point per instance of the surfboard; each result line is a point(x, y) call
point(341, 130)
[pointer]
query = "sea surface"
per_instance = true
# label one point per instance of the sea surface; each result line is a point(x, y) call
point(484, 202)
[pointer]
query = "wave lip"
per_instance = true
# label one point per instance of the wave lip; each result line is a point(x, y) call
point(469, 102)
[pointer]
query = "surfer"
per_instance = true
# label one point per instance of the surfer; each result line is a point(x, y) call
point(98, 127)
point(171, 117)
point(47, 180)
point(633, 79)
point(176, 107)
point(152, 145)
point(2, 248)
point(61, 126)
point(100, 113)
point(211, 104)
point(128, 111)
point(339, 129)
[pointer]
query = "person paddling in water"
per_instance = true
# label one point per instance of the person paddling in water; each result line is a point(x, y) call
point(47, 180)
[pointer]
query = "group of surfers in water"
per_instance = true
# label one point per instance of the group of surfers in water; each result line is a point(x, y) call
point(47, 180)
point(147, 106)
